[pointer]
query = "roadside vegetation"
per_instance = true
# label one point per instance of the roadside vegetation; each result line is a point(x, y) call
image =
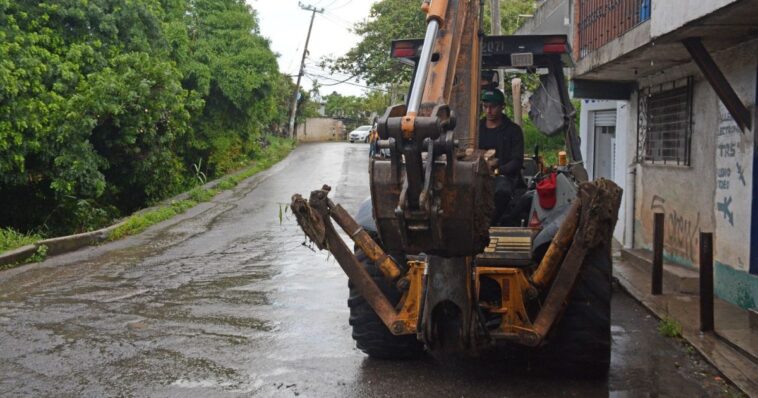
point(669, 327)
point(277, 150)
point(11, 239)
point(110, 107)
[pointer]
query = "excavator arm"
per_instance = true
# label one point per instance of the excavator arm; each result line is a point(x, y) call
point(430, 193)
point(432, 198)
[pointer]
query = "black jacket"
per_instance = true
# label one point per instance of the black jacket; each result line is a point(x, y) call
point(508, 142)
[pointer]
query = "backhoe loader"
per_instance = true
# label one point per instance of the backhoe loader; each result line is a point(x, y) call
point(431, 272)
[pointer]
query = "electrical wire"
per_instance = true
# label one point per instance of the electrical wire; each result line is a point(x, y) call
point(344, 25)
point(341, 6)
point(338, 18)
point(330, 4)
point(316, 69)
point(313, 77)
point(336, 80)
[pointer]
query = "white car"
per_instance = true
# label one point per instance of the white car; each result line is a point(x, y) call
point(360, 134)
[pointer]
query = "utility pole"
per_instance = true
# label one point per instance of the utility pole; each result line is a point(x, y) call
point(302, 65)
point(495, 17)
point(497, 31)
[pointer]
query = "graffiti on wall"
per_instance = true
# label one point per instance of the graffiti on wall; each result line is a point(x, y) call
point(730, 174)
point(723, 207)
point(733, 197)
point(682, 233)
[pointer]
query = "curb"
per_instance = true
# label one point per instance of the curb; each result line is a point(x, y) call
point(59, 245)
point(69, 243)
point(732, 363)
point(16, 255)
point(679, 278)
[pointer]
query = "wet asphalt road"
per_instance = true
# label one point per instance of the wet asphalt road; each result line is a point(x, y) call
point(226, 301)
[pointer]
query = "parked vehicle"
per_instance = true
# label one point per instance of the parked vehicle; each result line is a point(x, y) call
point(360, 134)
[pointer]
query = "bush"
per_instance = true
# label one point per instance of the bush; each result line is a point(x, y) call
point(668, 327)
point(107, 105)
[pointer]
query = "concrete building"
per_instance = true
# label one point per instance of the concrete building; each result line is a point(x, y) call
point(682, 76)
point(599, 120)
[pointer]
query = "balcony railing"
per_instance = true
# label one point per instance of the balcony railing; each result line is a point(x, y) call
point(600, 21)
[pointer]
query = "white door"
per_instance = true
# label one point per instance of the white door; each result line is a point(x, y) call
point(605, 143)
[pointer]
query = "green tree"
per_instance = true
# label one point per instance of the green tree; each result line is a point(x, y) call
point(344, 107)
point(512, 14)
point(402, 19)
point(376, 101)
point(369, 59)
point(234, 70)
point(106, 104)
point(77, 74)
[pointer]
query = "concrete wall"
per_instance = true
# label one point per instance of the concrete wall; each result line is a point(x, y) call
point(321, 129)
point(735, 163)
point(710, 195)
point(551, 18)
point(669, 15)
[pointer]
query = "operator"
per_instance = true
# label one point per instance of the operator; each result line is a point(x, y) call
point(498, 132)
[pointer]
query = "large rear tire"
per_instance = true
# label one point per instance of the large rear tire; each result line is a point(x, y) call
point(369, 332)
point(580, 344)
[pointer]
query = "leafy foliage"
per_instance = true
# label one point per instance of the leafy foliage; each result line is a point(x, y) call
point(388, 20)
point(402, 19)
point(353, 110)
point(669, 327)
point(512, 14)
point(106, 105)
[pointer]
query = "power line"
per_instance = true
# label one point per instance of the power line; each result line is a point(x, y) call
point(335, 21)
point(313, 75)
point(338, 7)
point(337, 81)
point(338, 18)
point(330, 4)
point(317, 69)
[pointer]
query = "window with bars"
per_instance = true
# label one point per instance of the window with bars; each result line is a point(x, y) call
point(664, 125)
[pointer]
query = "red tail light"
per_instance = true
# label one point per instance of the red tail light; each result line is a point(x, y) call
point(555, 48)
point(403, 50)
point(555, 45)
point(403, 53)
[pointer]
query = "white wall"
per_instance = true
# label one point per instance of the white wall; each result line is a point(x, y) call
point(669, 15)
point(734, 152)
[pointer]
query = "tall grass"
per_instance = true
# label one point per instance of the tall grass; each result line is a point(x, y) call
point(11, 239)
point(275, 151)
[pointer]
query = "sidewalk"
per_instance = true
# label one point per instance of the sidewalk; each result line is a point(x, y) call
point(732, 349)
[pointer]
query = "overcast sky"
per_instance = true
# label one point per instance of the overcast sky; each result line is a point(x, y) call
point(286, 25)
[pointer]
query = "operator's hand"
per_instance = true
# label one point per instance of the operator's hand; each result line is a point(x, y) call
point(492, 163)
